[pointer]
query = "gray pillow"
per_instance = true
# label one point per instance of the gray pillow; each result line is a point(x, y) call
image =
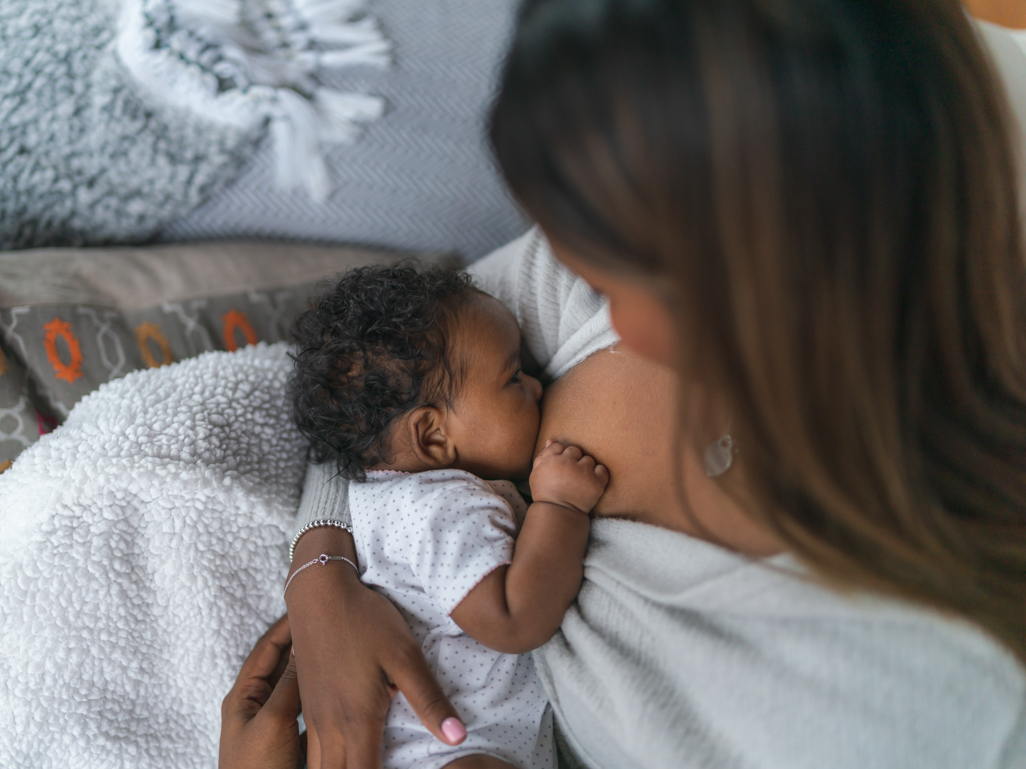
point(422, 175)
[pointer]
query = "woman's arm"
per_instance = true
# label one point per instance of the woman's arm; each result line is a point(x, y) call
point(325, 498)
point(353, 651)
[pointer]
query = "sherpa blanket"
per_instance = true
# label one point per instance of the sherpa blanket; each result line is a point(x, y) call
point(143, 547)
point(118, 117)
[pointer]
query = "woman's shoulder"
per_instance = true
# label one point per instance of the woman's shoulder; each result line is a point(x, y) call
point(562, 319)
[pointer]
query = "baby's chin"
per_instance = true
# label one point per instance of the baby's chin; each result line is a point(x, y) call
point(522, 471)
point(514, 466)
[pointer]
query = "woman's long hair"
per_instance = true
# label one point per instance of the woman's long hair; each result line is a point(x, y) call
point(829, 189)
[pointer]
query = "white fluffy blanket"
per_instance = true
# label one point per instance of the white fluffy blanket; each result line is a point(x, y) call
point(143, 546)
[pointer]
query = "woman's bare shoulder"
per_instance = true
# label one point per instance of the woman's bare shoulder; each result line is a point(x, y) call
point(620, 408)
point(623, 410)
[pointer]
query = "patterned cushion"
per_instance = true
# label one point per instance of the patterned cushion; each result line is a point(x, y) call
point(72, 319)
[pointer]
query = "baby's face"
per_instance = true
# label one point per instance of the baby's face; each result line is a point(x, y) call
point(495, 420)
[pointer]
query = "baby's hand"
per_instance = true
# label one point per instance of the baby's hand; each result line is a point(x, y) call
point(568, 477)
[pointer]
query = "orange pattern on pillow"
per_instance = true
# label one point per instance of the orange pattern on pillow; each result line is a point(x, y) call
point(147, 332)
point(71, 370)
point(237, 321)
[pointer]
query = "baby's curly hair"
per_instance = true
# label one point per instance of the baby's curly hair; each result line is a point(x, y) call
point(371, 349)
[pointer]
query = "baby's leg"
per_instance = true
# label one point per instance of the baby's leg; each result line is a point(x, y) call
point(479, 762)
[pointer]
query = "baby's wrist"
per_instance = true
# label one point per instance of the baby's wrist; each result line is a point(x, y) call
point(564, 505)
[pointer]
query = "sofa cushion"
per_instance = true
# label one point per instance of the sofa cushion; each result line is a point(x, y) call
point(72, 319)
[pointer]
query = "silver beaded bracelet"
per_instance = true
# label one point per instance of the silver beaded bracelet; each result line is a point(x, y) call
point(316, 524)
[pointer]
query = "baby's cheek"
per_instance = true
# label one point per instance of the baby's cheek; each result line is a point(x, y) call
point(526, 426)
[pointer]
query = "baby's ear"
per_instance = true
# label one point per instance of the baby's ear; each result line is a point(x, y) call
point(429, 439)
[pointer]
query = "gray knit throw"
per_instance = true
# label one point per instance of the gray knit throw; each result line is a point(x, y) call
point(117, 118)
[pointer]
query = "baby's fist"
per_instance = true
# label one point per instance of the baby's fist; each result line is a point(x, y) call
point(565, 475)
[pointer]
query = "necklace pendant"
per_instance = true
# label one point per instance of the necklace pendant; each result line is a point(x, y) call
point(719, 456)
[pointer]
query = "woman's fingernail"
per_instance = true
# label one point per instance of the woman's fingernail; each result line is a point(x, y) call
point(548, 443)
point(293, 651)
point(453, 730)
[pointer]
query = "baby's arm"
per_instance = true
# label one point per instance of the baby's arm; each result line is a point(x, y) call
point(518, 607)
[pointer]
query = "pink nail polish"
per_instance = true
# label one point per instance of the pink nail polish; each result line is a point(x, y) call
point(453, 730)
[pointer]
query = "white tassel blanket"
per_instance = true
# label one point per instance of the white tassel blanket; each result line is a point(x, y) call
point(143, 546)
point(248, 63)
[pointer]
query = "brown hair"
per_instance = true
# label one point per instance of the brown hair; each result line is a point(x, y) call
point(829, 187)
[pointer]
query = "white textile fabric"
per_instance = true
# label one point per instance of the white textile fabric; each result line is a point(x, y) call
point(561, 319)
point(143, 550)
point(681, 654)
point(425, 540)
point(247, 63)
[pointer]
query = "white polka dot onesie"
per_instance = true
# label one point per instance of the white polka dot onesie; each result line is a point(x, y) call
point(425, 540)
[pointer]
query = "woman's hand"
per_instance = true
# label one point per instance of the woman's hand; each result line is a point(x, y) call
point(354, 652)
point(258, 717)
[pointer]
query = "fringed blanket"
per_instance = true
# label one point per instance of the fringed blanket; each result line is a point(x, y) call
point(119, 116)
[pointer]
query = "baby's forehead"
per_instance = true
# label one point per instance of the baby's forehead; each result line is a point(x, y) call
point(485, 322)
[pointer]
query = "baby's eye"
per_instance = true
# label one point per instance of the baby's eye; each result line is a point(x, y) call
point(515, 379)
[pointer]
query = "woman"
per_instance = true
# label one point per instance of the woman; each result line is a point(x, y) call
point(805, 218)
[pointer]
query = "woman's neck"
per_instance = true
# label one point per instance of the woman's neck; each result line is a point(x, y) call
point(701, 507)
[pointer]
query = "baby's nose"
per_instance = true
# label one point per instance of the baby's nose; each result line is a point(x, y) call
point(536, 388)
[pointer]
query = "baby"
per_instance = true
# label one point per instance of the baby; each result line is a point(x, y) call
point(410, 381)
